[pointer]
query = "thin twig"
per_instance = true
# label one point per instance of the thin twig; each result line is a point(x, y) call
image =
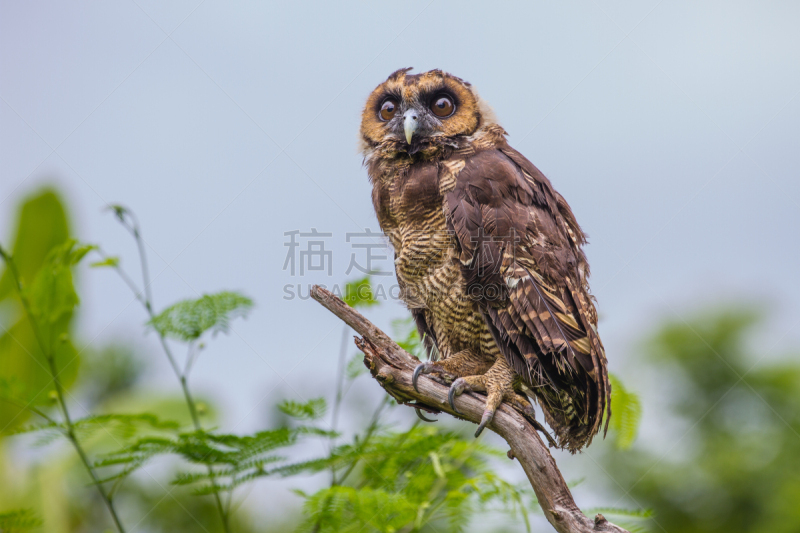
point(373, 425)
point(145, 297)
point(337, 402)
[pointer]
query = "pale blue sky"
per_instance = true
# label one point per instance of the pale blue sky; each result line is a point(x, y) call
point(671, 127)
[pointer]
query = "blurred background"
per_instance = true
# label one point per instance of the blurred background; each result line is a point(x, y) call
point(230, 129)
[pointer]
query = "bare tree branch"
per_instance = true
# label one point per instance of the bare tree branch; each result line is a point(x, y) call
point(392, 367)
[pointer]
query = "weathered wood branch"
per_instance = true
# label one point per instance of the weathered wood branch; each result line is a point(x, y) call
point(393, 367)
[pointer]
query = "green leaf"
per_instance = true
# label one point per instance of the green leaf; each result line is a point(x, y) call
point(189, 319)
point(124, 424)
point(42, 227)
point(77, 253)
point(310, 410)
point(359, 293)
point(118, 426)
point(426, 479)
point(626, 413)
point(111, 261)
point(232, 459)
point(33, 428)
point(19, 520)
point(52, 294)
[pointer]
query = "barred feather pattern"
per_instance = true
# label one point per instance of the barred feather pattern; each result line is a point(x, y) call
point(488, 257)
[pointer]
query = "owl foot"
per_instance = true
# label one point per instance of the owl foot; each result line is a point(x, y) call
point(498, 384)
point(463, 363)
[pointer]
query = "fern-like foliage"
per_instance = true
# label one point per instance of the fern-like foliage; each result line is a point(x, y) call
point(627, 413)
point(187, 320)
point(228, 460)
point(19, 520)
point(121, 427)
point(310, 410)
point(420, 479)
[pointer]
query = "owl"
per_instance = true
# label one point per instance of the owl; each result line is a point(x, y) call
point(488, 256)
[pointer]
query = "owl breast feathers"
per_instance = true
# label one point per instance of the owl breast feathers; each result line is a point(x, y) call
point(488, 254)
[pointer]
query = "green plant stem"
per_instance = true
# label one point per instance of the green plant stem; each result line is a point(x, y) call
point(51, 361)
point(337, 403)
point(190, 403)
point(145, 297)
point(373, 425)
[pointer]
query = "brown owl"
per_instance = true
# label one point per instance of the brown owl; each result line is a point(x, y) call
point(488, 255)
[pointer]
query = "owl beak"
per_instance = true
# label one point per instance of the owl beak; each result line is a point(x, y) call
point(410, 124)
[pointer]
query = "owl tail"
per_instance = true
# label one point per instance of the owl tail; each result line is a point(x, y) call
point(568, 418)
point(572, 411)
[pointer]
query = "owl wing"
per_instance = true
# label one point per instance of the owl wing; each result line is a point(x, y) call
point(521, 257)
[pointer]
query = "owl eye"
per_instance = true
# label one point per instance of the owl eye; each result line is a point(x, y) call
point(443, 106)
point(388, 110)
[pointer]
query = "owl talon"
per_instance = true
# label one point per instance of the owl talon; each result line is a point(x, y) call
point(456, 389)
point(485, 419)
point(422, 368)
point(422, 417)
point(522, 403)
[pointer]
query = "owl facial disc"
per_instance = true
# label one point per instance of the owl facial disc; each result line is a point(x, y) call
point(428, 114)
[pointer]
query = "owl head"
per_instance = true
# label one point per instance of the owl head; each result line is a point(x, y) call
point(411, 113)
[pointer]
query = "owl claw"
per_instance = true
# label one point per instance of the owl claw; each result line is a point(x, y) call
point(485, 419)
point(422, 417)
point(422, 368)
point(456, 388)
